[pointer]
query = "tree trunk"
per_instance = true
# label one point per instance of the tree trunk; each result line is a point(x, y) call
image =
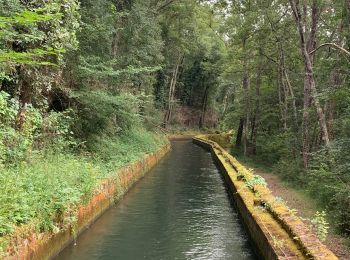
point(224, 104)
point(247, 101)
point(283, 75)
point(240, 133)
point(310, 90)
point(173, 82)
point(255, 121)
point(25, 98)
point(204, 107)
point(287, 84)
point(283, 105)
point(291, 91)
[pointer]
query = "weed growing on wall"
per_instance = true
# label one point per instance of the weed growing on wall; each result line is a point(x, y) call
point(255, 181)
point(320, 224)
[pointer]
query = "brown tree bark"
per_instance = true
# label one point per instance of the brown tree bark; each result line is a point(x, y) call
point(25, 98)
point(310, 91)
point(239, 133)
point(204, 107)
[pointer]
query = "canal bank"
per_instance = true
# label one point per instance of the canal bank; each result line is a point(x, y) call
point(274, 229)
point(180, 210)
point(47, 245)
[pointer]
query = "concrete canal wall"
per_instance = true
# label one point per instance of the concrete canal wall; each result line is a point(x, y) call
point(47, 245)
point(275, 230)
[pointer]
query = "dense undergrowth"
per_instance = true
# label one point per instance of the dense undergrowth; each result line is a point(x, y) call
point(51, 184)
point(47, 169)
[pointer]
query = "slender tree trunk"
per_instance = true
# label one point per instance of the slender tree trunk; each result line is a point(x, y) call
point(287, 84)
point(25, 98)
point(224, 105)
point(305, 125)
point(255, 122)
point(247, 100)
point(283, 105)
point(280, 102)
point(172, 87)
point(204, 107)
point(240, 133)
point(291, 91)
point(283, 74)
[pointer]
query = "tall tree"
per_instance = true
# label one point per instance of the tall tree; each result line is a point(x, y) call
point(307, 45)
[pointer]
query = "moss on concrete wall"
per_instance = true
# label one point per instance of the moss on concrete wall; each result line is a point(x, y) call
point(274, 229)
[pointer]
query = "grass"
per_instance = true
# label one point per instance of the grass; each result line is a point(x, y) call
point(46, 191)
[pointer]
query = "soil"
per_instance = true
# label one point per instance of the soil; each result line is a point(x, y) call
point(306, 208)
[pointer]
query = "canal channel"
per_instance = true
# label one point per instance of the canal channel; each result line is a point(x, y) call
point(180, 210)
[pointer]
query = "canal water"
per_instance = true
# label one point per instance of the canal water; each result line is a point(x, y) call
point(180, 210)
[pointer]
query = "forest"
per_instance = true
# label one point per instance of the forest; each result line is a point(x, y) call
point(88, 86)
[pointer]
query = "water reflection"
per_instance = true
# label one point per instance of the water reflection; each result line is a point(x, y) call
point(181, 210)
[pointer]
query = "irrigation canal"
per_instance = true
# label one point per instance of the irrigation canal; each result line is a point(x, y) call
point(180, 210)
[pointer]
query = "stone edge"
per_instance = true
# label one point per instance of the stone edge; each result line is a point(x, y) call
point(306, 242)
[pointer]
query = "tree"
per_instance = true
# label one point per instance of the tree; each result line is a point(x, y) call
point(34, 39)
point(307, 44)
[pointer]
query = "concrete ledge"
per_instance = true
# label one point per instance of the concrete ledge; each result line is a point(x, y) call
point(48, 245)
point(275, 231)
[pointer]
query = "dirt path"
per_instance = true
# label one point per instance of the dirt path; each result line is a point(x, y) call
point(306, 208)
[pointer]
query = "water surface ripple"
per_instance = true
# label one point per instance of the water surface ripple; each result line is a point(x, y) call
point(180, 210)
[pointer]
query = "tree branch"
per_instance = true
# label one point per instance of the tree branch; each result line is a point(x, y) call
point(330, 44)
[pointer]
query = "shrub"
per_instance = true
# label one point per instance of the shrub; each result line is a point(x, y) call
point(16, 145)
point(328, 180)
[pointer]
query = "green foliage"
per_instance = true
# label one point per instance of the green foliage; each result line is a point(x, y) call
point(321, 225)
point(128, 147)
point(42, 190)
point(328, 179)
point(291, 170)
point(51, 131)
point(257, 180)
point(130, 44)
point(56, 132)
point(104, 113)
point(40, 32)
point(262, 85)
point(16, 145)
point(88, 77)
point(46, 191)
point(273, 148)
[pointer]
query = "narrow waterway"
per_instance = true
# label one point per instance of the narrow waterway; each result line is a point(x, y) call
point(180, 210)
